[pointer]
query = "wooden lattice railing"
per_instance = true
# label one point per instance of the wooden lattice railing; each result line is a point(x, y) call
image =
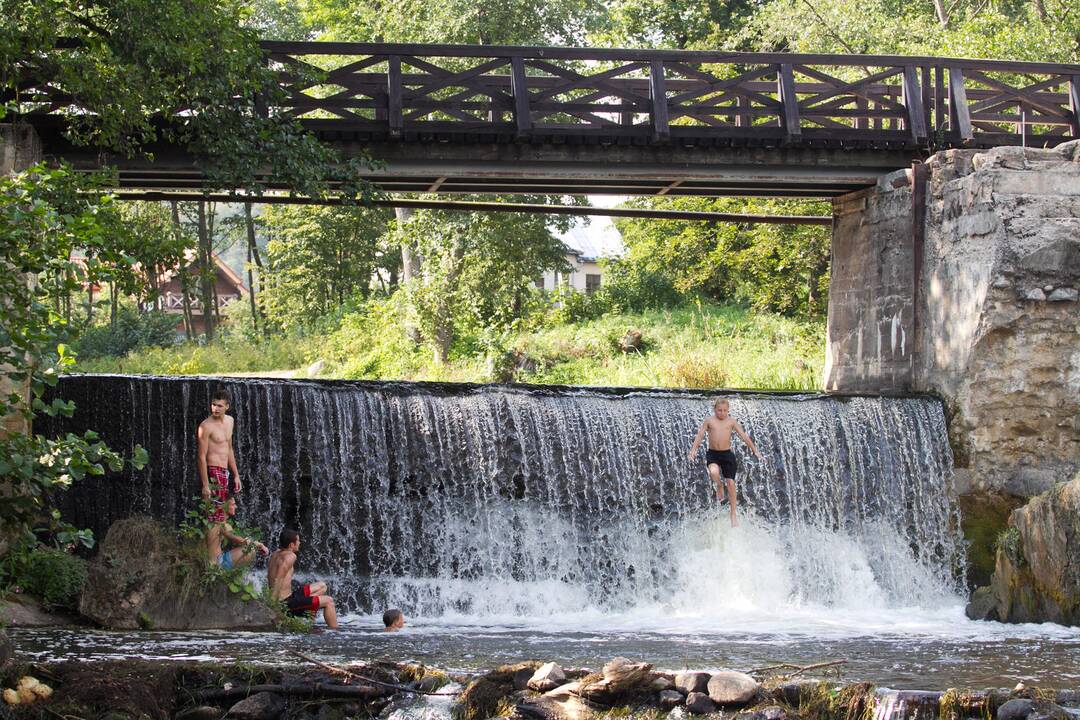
point(449, 92)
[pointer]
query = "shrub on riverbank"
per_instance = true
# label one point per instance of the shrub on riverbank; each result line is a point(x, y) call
point(54, 577)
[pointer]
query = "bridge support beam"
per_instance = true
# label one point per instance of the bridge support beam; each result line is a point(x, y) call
point(996, 295)
point(19, 149)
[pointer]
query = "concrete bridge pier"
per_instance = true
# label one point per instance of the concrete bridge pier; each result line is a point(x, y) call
point(961, 279)
point(20, 148)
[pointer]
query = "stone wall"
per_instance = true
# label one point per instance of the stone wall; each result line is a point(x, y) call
point(1000, 339)
point(869, 345)
point(996, 328)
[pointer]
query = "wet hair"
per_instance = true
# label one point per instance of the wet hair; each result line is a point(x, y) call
point(391, 616)
point(718, 401)
point(221, 394)
point(287, 537)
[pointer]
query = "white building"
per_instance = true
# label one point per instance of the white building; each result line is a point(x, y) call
point(587, 241)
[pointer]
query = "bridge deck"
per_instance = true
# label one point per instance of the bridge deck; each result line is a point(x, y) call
point(476, 119)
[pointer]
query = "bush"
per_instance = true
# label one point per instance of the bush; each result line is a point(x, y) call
point(54, 577)
point(131, 331)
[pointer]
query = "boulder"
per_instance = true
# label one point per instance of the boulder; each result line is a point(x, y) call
point(562, 703)
point(547, 677)
point(144, 578)
point(1037, 573)
point(631, 341)
point(620, 677)
point(689, 682)
point(1016, 709)
point(983, 605)
point(661, 683)
point(699, 703)
point(670, 699)
point(23, 611)
point(260, 706)
point(732, 688)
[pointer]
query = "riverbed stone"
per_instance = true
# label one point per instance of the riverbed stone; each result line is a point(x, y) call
point(661, 683)
point(522, 677)
point(699, 703)
point(732, 688)
point(1037, 576)
point(689, 682)
point(772, 712)
point(134, 583)
point(547, 677)
point(670, 698)
point(260, 706)
point(199, 712)
point(1016, 709)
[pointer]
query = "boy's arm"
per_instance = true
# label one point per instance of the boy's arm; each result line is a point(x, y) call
point(697, 441)
point(232, 462)
point(746, 439)
point(200, 460)
point(241, 540)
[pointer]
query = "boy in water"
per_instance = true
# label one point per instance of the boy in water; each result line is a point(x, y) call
point(719, 458)
point(216, 460)
point(300, 599)
point(393, 620)
point(243, 549)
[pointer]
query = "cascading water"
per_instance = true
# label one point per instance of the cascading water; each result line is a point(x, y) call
point(472, 501)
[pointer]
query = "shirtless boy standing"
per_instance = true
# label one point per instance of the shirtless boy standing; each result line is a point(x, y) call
point(720, 459)
point(300, 599)
point(216, 460)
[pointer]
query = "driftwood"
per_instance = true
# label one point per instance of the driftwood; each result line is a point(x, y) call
point(799, 669)
point(294, 690)
point(349, 675)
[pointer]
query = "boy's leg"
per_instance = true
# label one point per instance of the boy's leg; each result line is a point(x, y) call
point(241, 558)
point(317, 588)
point(731, 496)
point(714, 473)
point(326, 604)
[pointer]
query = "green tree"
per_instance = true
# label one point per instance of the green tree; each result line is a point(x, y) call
point(782, 268)
point(478, 271)
point(320, 258)
point(46, 220)
point(680, 24)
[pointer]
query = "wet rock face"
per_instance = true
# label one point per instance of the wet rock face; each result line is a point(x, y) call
point(134, 583)
point(1037, 577)
point(1001, 329)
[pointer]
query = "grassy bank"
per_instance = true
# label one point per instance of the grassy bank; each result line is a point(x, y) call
point(697, 346)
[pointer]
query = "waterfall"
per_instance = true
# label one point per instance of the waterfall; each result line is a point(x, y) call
point(502, 500)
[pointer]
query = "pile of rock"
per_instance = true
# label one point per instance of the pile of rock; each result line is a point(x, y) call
point(624, 682)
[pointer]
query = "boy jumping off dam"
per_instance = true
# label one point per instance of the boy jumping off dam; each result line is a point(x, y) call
point(719, 458)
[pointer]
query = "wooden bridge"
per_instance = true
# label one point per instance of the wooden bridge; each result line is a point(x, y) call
point(474, 119)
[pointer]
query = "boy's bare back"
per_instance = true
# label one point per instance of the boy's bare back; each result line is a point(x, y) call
point(279, 572)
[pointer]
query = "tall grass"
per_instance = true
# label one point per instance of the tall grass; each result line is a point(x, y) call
point(696, 346)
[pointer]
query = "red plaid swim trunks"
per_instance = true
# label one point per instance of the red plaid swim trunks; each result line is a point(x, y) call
point(218, 478)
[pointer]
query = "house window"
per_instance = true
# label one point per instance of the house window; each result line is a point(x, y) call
point(592, 283)
point(539, 282)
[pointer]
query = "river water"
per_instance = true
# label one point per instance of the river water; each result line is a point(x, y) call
point(567, 524)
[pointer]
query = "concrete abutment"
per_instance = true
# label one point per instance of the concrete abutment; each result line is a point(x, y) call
point(980, 308)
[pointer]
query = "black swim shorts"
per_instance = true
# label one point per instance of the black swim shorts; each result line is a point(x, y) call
point(301, 602)
point(725, 459)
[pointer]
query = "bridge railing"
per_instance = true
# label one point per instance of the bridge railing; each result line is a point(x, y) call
point(440, 92)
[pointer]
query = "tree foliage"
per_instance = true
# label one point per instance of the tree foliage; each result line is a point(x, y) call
point(320, 259)
point(781, 268)
point(45, 221)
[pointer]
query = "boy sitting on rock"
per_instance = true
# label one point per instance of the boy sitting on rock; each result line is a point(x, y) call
point(300, 599)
